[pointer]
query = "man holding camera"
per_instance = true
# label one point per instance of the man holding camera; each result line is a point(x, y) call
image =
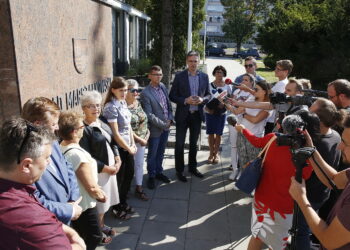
point(334, 233)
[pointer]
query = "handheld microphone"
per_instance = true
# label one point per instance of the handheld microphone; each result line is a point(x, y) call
point(232, 120)
point(228, 81)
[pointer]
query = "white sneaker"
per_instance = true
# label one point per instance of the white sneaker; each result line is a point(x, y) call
point(235, 187)
point(233, 175)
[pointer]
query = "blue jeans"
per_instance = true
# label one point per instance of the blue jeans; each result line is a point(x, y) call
point(155, 155)
point(303, 235)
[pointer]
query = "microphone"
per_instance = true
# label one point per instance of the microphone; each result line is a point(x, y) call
point(228, 81)
point(232, 120)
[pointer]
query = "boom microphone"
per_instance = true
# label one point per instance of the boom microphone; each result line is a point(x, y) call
point(232, 120)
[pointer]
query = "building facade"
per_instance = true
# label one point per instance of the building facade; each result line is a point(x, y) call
point(214, 21)
point(60, 49)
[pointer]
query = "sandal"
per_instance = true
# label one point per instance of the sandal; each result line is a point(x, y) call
point(105, 239)
point(141, 195)
point(210, 159)
point(109, 231)
point(128, 209)
point(121, 214)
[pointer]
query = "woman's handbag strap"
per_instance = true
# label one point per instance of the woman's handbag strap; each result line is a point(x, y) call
point(266, 148)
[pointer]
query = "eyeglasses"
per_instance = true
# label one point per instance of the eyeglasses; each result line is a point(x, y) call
point(135, 90)
point(331, 97)
point(192, 61)
point(156, 74)
point(213, 91)
point(92, 106)
point(30, 128)
point(220, 72)
point(248, 65)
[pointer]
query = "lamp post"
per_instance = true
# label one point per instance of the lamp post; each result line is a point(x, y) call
point(189, 32)
point(205, 36)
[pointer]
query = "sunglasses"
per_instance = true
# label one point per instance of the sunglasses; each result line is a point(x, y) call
point(92, 106)
point(213, 91)
point(30, 128)
point(135, 90)
point(248, 65)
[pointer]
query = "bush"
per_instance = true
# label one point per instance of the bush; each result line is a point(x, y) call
point(139, 67)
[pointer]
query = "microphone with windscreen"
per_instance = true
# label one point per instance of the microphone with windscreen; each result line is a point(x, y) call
point(232, 120)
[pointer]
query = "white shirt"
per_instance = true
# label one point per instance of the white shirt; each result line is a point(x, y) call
point(280, 87)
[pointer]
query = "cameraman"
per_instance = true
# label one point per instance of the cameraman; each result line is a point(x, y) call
point(272, 208)
point(339, 93)
point(334, 233)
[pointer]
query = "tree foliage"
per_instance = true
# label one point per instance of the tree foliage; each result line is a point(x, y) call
point(241, 18)
point(314, 34)
point(179, 28)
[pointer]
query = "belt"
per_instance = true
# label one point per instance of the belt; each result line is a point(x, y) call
point(192, 111)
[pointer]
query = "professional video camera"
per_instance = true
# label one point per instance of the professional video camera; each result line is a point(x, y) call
point(282, 102)
point(293, 127)
point(315, 93)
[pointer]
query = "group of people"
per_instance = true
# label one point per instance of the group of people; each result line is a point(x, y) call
point(59, 188)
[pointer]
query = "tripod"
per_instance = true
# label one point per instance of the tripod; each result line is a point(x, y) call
point(299, 157)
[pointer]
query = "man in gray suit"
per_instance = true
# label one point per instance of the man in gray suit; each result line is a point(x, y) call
point(156, 104)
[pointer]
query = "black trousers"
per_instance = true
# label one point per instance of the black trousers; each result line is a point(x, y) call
point(125, 174)
point(193, 122)
point(88, 228)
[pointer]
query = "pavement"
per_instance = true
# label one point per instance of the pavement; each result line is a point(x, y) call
point(198, 215)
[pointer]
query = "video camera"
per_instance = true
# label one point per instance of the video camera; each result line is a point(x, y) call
point(282, 102)
point(293, 127)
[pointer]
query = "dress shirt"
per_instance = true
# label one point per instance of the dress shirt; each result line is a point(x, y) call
point(194, 85)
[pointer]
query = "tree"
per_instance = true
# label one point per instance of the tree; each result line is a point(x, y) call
point(167, 40)
point(169, 20)
point(314, 34)
point(241, 18)
point(178, 28)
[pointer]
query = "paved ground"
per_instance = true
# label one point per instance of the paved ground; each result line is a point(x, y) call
point(198, 215)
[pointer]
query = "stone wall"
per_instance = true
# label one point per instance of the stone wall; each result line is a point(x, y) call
point(43, 35)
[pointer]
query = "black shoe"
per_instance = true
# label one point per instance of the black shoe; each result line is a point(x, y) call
point(163, 178)
point(151, 184)
point(181, 177)
point(196, 173)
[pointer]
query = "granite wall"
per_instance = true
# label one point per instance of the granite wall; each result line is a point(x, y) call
point(56, 49)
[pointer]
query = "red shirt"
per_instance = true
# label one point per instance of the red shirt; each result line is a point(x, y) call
point(278, 168)
point(25, 223)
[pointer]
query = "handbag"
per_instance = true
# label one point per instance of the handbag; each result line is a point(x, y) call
point(250, 176)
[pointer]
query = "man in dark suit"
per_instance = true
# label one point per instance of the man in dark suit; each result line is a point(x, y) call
point(156, 104)
point(57, 189)
point(190, 91)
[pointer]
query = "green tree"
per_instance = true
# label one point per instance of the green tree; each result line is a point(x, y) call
point(178, 28)
point(241, 18)
point(313, 34)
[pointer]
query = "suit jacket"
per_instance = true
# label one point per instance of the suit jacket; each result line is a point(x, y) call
point(94, 142)
point(154, 111)
point(56, 188)
point(180, 90)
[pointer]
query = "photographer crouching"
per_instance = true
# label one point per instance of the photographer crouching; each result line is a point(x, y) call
point(334, 233)
point(272, 210)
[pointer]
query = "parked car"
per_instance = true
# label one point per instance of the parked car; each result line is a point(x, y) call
point(213, 51)
point(244, 53)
